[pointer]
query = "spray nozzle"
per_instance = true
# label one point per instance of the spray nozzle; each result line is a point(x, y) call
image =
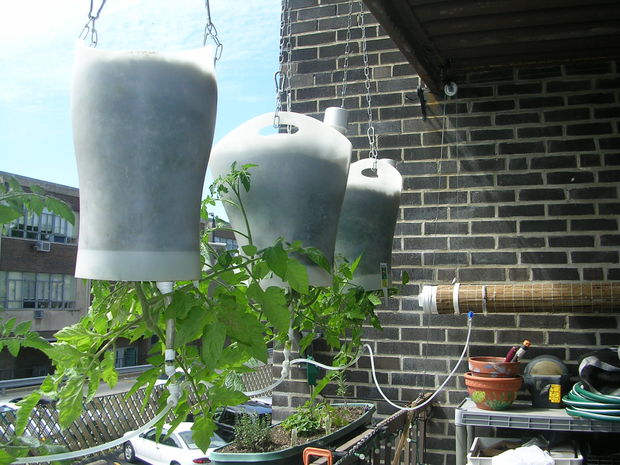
point(470, 315)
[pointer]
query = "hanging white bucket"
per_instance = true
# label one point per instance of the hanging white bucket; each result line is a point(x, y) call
point(368, 220)
point(142, 130)
point(296, 191)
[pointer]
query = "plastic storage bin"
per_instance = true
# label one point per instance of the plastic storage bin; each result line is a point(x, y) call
point(562, 455)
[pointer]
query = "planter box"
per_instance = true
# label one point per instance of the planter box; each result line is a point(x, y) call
point(293, 455)
point(562, 455)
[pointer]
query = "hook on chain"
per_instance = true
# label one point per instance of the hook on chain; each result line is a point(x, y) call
point(211, 33)
point(89, 28)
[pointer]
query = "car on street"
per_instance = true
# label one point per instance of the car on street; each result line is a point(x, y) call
point(227, 418)
point(176, 449)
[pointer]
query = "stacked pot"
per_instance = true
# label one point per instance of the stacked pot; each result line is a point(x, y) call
point(493, 383)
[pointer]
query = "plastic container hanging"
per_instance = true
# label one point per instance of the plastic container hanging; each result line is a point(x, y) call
point(297, 189)
point(142, 130)
point(368, 220)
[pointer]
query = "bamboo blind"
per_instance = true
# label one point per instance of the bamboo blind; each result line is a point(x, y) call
point(530, 298)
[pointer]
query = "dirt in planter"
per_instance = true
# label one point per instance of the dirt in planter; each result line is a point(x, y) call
point(281, 438)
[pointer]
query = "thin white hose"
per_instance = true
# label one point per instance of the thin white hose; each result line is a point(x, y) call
point(95, 449)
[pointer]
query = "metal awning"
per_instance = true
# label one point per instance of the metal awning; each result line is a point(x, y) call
point(447, 38)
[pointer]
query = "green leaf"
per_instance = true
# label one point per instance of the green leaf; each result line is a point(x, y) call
point(14, 184)
point(276, 259)
point(26, 405)
point(109, 373)
point(22, 328)
point(70, 403)
point(249, 250)
point(8, 214)
point(274, 306)
point(319, 258)
point(6, 458)
point(60, 208)
point(202, 430)
point(78, 336)
point(297, 276)
point(405, 277)
point(213, 340)
point(37, 189)
point(35, 204)
point(13, 345)
point(222, 396)
point(374, 299)
point(244, 328)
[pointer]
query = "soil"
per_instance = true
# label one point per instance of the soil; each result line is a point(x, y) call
point(281, 438)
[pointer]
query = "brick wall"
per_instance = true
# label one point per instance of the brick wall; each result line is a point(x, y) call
point(518, 182)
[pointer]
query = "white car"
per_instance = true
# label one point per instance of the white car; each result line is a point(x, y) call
point(178, 449)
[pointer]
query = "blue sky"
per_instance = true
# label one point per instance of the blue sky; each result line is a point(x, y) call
point(37, 39)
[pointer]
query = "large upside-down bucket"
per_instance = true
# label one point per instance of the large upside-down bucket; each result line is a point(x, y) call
point(142, 129)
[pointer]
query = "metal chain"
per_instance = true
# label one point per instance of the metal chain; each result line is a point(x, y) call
point(211, 33)
point(89, 27)
point(347, 51)
point(283, 75)
point(370, 132)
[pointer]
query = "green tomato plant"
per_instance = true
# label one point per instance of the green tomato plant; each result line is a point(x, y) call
point(223, 323)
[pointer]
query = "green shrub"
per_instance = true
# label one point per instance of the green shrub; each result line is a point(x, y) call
point(253, 433)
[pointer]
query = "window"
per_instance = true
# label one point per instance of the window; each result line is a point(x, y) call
point(126, 357)
point(20, 290)
point(231, 244)
point(45, 227)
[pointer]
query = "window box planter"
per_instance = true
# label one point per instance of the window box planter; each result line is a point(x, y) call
point(293, 455)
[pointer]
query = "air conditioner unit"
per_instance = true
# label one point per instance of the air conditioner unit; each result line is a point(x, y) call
point(38, 314)
point(42, 246)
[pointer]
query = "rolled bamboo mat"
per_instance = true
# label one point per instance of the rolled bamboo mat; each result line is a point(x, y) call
point(529, 298)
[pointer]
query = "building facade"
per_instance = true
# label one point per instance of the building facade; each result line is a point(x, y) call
point(514, 180)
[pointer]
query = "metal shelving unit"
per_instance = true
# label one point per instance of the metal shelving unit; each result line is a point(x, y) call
point(520, 416)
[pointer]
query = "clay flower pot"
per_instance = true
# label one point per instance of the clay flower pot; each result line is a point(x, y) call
point(492, 393)
point(493, 367)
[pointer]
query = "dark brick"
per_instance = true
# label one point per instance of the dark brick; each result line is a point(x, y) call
point(591, 99)
point(592, 322)
point(442, 197)
point(425, 213)
point(420, 153)
point(570, 177)
point(491, 134)
point(445, 258)
point(392, 85)
point(521, 210)
point(609, 83)
point(542, 321)
point(445, 228)
point(570, 114)
point(306, 26)
point(541, 102)
point(428, 364)
point(400, 140)
point(593, 274)
point(393, 348)
point(493, 227)
point(315, 92)
point(541, 194)
point(607, 112)
point(539, 73)
point(460, 121)
point(558, 274)
point(440, 138)
point(402, 70)
point(539, 131)
point(508, 148)
point(593, 193)
point(516, 118)
point(595, 224)
point(411, 198)
point(407, 229)
point(392, 57)
point(492, 196)
point(304, 107)
point(609, 176)
point(584, 129)
point(612, 159)
point(493, 105)
point(505, 74)
point(521, 242)
point(589, 160)
point(412, 379)
point(566, 337)
point(478, 150)
point(493, 258)
point(461, 182)
point(317, 12)
point(426, 243)
point(519, 89)
point(537, 338)
point(568, 86)
point(471, 212)
point(570, 145)
point(382, 100)
point(517, 164)
point(594, 257)
point(318, 38)
point(466, 92)
point(297, 4)
point(554, 162)
point(552, 258)
point(482, 274)
point(424, 182)
point(609, 339)
point(407, 111)
point(571, 241)
point(610, 240)
point(418, 334)
point(588, 68)
point(480, 336)
point(609, 209)
point(469, 243)
point(571, 209)
point(406, 259)
point(542, 225)
point(519, 179)
point(483, 165)
point(315, 66)
point(518, 274)
point(613, 274)
point(304, 54)
point(447, 350)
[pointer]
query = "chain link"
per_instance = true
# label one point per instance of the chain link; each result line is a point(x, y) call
point(211, 33)
point(283, 75)
point(347, 51)
point(370, 132)
point(89, 28)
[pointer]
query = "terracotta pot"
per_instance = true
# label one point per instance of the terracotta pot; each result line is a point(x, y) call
point(492, 393)
point(493, 367)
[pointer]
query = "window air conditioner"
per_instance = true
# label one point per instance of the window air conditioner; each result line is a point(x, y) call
point(38, 314)
point(42, 246)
